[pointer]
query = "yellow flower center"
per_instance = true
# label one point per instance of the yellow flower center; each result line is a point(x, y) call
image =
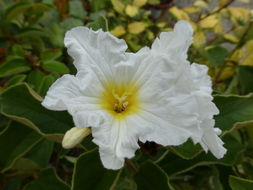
point(120, 99)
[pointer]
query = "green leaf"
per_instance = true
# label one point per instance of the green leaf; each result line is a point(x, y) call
point(16, 9)
point(25, 165)
point(50, 54)
point(89, 173)
point(187, 150)
point(13, 184)
point(99, 4)
point(173, 164)
point(56, 66)
point(234, 111)
point(225, 172)
point(46, 82)
point(246, 79)
point(216, 55)
point(71, 22)
point(99, 23)
point(47, 180)
point(150, 177)
point(31, 32)
point(28, 110)
point(41, 7)
point(18, 50)
point(16, 141)
point(13, 66)
point(237, 183)
point(35, 78)
point(41, 153)
point(16, 79)
point(55, 34)
point(76, 9)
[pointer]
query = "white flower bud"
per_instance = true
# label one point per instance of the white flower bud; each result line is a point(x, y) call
point(74, 136)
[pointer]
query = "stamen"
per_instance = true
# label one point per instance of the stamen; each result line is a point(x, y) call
point(121, 102)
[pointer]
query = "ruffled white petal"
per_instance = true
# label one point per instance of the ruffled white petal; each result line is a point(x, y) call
point(210, 140)
point(97, 50)
point(163, 132)
point(176, 42)
point(176, 95)
point(79, 95)
point(63, 89)
point(117, 139)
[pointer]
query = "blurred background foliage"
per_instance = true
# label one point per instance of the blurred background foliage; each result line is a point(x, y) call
point(32, 57)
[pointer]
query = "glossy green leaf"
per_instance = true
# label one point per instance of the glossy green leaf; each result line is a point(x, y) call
point(20, 8)
point(16, 79)
point(16, 9)
point(50, 54)
point(35, 78)
point(234, 110)
point(55, 34)
point(150, 177)
point(31, 32)
point(16, 141)
point(237, 183)
point(76, 9)
point(28, 110)
point(56, 66)
point(13, 66)
point(41, 153)
point(89, 173)
point(99, 23)
point(14, 184)
point(217, 55)
point(18, 50)
point(46, 82)
point(24, 164)
point(41, 7)
point(99, 4)
point(246, 79)
point(71, 22)
point(47, 179)
point(172, 164)
point(187, 150)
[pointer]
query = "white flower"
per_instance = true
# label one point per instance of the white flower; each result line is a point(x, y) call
point(153, 95)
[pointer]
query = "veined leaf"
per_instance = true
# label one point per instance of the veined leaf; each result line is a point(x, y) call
point(50, 54)
point(150, 177)
point(47, 180)
point(234, 111)
point(89, 174)
point(29, 111)
point(246, 79)
point(56, 66)
point(16, 141)
point(99, 23)
point(237, 183)
point(173, 164)
point(14, 66)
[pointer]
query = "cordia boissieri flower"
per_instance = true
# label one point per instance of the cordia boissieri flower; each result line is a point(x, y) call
point(152, 95)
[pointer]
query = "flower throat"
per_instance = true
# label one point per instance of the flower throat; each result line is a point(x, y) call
point(120, 99)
